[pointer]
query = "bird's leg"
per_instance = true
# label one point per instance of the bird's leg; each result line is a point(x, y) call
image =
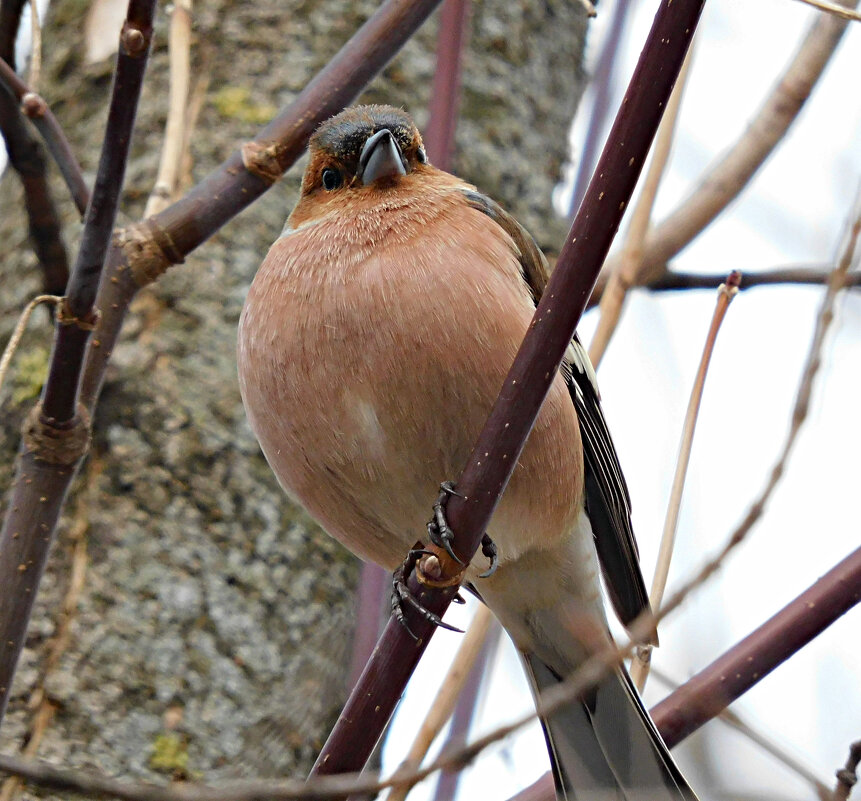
point(442, 536)
point(401, 594)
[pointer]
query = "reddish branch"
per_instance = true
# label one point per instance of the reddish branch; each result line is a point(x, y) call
point(445, 94)
point(714, 688)
point(500, 443)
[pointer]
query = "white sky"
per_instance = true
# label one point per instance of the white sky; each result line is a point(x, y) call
point(792, 213)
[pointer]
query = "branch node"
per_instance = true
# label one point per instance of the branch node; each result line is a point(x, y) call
point(148, 249)
point(33, 105)
point(66, 317)
point(438, 569)
point(262, 160)
point(134, 41)
point(57, 444)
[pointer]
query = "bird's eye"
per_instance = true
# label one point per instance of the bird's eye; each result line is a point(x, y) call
point(332, 179)
point(421, 156)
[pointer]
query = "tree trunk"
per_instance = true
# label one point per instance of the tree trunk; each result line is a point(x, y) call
point(211, 629)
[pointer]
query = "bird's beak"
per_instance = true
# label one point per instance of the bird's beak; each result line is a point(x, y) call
point(380, 158)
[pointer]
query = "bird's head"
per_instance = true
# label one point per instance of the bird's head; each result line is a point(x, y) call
point(360, 152)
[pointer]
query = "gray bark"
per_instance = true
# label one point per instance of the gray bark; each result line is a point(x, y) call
point(214, 614)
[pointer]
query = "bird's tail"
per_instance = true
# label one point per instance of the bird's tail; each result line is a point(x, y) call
point(604, 747)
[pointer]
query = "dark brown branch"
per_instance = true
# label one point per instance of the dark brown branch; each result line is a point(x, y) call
point(731, 675)
point(37, 110)
point(499, 445)
point(10, 20)
point(672, 280)
point(847, 776)
point(28, 160)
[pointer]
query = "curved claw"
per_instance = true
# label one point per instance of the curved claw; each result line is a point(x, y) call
point(488, 548)
point(427, 614)
point(438, 531)
point(401, 594)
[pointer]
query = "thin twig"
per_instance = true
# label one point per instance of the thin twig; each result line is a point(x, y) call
point(834, 8)
point(179, 44)
point(723, 182)
point(672, 280)
point(590, 8)
point(623, 277)
point(449, 690)
point(847, 776)
point(35, 47)
point(18, 332)
point(37, 110)
point(726, 292)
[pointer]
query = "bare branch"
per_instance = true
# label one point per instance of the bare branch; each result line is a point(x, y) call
point(834, 8)
point(18, 331)
point(445, 93)
point(726, 292)
point(57, 430)
point(37, 110)
point(35, 47)
point(440, 709)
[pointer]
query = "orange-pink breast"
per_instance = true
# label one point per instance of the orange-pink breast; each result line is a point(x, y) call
point(371, 348)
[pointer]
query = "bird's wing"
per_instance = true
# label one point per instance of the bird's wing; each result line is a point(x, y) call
point(608, 503)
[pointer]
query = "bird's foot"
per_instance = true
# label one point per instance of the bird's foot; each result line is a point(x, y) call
point(401, 594)
point(438, 531)
point(442, 536)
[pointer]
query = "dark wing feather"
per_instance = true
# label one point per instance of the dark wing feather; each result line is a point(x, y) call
point(608, 503)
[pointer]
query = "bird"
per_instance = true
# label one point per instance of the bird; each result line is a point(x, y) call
point(372, 343)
